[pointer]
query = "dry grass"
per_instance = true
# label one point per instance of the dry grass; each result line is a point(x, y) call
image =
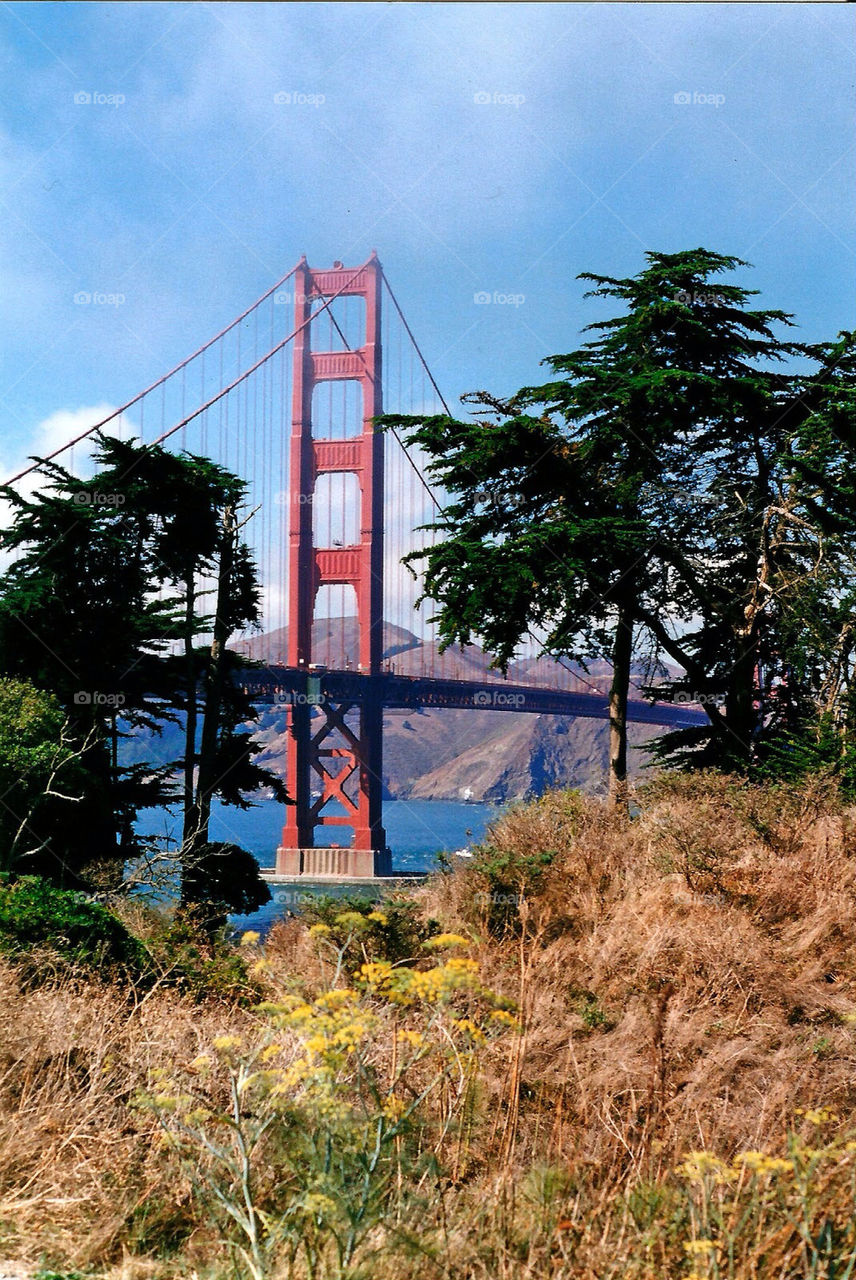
point(81, 1178)
point(686, 981)
point(724, 986)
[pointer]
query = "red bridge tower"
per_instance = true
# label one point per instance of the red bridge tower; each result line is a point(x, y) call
point(337, 746)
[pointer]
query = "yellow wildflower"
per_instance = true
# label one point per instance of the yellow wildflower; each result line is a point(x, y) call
point(751, 1159)
point(376, 972)
point(224, 1044)
point(505, 1019)
point(699, 1246)
point(413, 1038)
point(467, 1024)
point(351, 920)
point(378, 917)
point(334, 999)
point(318, 930)
point(821, 1116)
point(314, 1202)
point(448, 940)
point(250, 938)
point(270, 1052)
point(759, 1162)
point(700, 1164)
point(393, 1107)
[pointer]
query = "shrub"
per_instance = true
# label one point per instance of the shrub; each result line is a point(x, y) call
point(49, 928)
point(232, 880)
point(509, 879)
point(392, 930)
point(314, 1129)
point(199, 964)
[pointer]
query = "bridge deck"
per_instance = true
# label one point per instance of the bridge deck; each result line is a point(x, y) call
point(288, 686)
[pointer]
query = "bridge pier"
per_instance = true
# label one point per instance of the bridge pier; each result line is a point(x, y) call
point(343, 863)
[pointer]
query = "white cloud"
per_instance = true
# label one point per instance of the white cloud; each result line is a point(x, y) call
point(51, 433)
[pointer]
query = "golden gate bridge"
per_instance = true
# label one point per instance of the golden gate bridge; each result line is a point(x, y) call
point(286, 396)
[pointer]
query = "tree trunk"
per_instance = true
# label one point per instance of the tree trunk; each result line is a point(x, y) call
point(191, 710)
point(195, 880)
point(207, 781)
point(618, 694)
point(740, 711)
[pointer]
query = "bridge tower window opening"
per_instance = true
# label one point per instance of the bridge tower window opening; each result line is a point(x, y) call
point(337, 409)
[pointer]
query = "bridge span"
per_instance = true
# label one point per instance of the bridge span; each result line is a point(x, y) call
point(291, 687)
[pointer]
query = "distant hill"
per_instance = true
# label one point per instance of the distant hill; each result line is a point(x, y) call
point(332, 639)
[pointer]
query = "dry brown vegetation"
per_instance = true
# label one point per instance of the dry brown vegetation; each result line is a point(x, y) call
point(685, 981)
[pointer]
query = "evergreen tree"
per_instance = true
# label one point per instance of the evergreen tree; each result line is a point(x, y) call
point(77, 618)
point(591, 507)
point(110, 575)
point(198, 555)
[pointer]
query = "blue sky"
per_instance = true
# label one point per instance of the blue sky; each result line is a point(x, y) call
point(489, 148)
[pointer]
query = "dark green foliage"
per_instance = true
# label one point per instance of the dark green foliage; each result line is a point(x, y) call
point(678, 485)
point(79, 617)
point(158, 1226)
point(593, 1014)
point(231, 878)
point(399, 938)
point(199, 963)
point(59, 1275)
point(51, 929)
point(35, 758)
point(509, 879)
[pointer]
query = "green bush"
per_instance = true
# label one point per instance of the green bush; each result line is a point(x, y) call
point(196, 963)
point(51, 929)
point(391, 930)
point(508, 878)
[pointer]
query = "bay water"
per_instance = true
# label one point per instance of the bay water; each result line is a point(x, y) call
point(417, 832)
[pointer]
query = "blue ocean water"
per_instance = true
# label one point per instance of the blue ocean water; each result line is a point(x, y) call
point(417, 831)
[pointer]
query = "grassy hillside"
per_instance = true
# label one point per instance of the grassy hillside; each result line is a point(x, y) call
point(603, 1049)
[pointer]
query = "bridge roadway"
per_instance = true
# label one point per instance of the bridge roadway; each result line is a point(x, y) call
point(289, 686)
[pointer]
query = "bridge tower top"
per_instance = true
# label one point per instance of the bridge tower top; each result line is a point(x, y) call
point(359, 565)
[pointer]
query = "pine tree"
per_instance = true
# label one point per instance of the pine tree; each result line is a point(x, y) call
point(586, 508)
point(110, 576)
